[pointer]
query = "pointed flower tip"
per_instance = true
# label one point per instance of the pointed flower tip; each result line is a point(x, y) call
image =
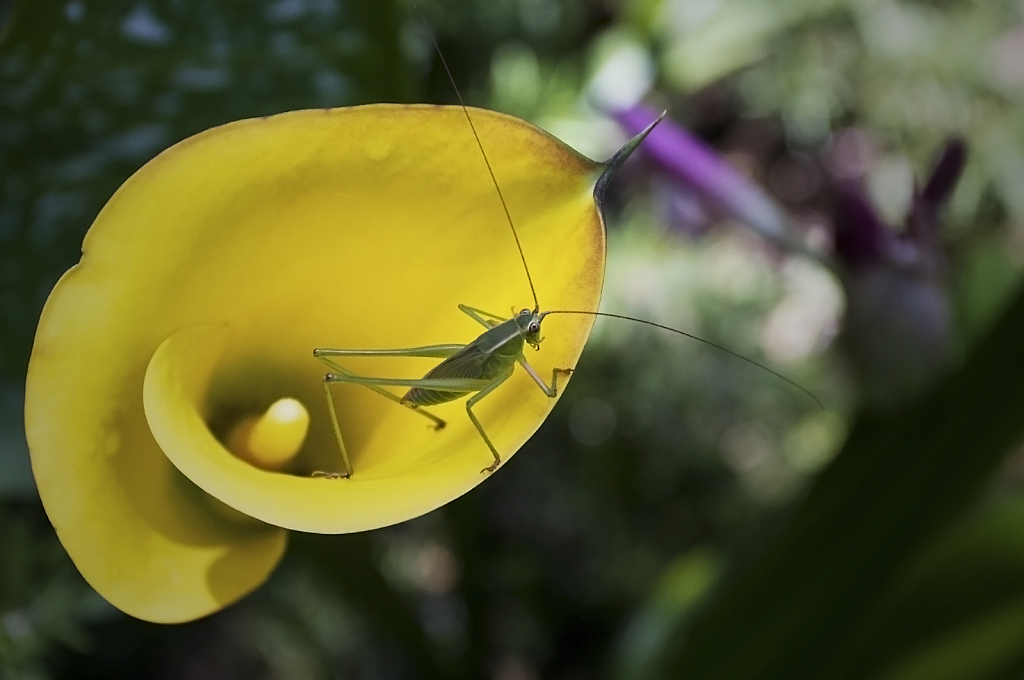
point(700, 169)
point(622, 155)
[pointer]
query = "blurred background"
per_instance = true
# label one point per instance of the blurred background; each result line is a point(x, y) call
point(680, 514)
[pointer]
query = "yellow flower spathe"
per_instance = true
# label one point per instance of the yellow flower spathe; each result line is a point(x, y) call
point(207, 281)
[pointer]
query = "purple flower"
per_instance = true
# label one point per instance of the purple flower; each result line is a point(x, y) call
point(898, 323)
point(862, 239)
point(701, 170)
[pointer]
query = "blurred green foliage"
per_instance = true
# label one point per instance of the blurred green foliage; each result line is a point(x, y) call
point(668, 519)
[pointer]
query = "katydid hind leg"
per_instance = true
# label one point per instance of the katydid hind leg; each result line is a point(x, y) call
point(466, 385)
point(344, 375)
point(481, 317)
point(435, 351)
point(426, 351)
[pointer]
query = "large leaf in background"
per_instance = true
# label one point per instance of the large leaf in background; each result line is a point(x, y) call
point(816, 604)
point(958, 610)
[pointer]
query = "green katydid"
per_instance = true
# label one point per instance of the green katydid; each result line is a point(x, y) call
point(478, 368)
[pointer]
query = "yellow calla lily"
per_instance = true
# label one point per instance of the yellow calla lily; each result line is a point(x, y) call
point(209, 278)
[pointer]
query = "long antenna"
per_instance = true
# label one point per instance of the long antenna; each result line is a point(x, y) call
point(465, 109)
point(698, 339)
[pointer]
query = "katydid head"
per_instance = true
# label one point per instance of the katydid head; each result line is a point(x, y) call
point(529, 327)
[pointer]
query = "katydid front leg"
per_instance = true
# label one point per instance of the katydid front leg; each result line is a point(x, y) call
point(550, 390)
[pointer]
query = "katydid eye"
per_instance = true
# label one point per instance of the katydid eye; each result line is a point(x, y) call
point(534, 327)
